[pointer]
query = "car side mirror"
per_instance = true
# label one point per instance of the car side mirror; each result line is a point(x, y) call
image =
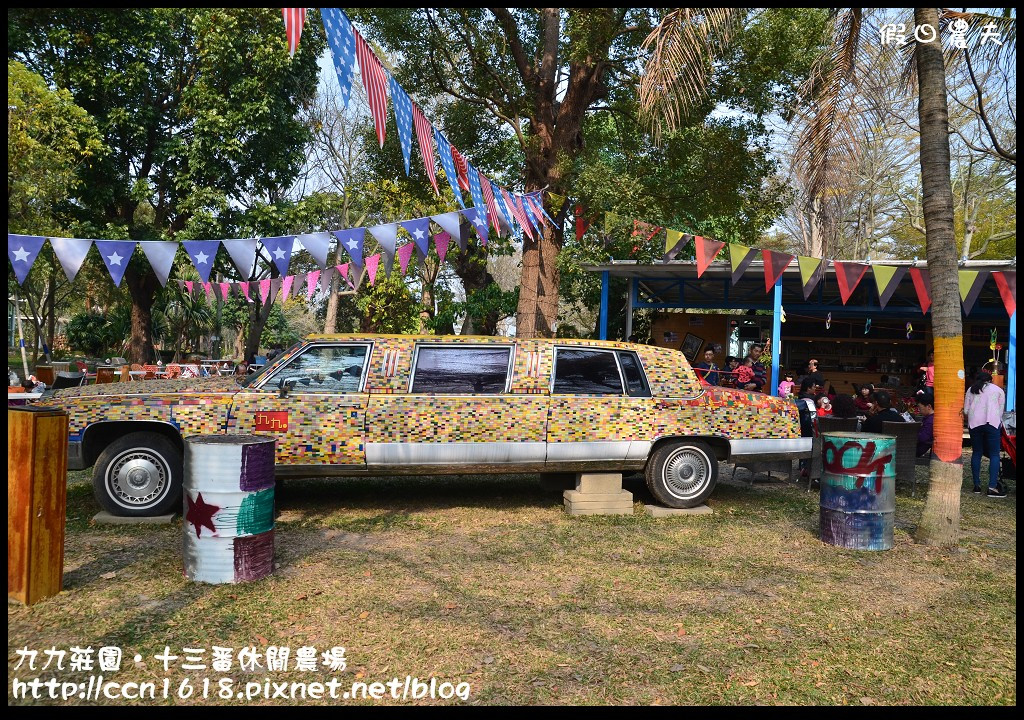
point(285, 386)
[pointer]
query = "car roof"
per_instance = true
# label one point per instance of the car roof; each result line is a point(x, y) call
point(341, 337)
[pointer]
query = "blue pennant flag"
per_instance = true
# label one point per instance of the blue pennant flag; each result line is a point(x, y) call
point(22, 251)
point(478, 219)
point(280, 249)
point(419, 229)
point(352, 241)
point(403, 119)
point(499, 200)
point(444, 149)
point(343, 48)
point(115, 255)
point(202, 253)
point(477, 192)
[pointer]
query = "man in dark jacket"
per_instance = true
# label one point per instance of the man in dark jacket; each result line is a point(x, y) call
point(885, 413)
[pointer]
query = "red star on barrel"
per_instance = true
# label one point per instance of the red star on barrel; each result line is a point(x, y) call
point(200, 514)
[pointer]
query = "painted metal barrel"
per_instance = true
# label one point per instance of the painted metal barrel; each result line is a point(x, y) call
point(858, 490)
point(228, 508)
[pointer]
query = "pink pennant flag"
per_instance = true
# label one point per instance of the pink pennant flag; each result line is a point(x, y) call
point(286, 287)
point(225, 290)
point(244, 287)
point(208, 287)
point(312, 279)
point(371, 267)
point(343, 271)
point(264, 290)
point(188, 286)
point(441, 242)
point(404, 253)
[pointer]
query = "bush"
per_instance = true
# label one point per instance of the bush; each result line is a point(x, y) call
point(87, 332)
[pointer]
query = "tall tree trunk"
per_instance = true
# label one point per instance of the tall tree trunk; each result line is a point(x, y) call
point(143, 288)
point(940, 523)
point(331, 322)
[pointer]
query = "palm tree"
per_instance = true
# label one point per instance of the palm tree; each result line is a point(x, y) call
point(682, 46)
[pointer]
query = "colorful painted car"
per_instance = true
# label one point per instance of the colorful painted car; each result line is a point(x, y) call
point(369, 404)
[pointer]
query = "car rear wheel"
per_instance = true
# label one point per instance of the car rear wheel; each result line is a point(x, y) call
point(682, 474)
point(139, 475)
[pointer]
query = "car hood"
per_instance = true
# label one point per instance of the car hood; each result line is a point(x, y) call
point(770, 403)
point(226, 384)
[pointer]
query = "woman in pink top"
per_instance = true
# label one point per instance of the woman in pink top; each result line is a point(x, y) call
point(983, 406)
point(929, 371)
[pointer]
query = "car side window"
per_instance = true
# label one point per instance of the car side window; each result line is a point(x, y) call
point(636, 383)
point(461, 370)
point(326, 369)
point(586, 372)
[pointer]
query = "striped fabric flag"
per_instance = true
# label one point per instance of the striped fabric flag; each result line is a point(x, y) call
point(343, 48)
point(425, 133)
point(517, 211)
point(294, 20)
point(492, 206)
point(374, 82)
point(1006, 281)
point(461, 168)
point(503, 207)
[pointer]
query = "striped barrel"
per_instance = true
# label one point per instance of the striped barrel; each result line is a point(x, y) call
point(858, 490)
point(228, 508)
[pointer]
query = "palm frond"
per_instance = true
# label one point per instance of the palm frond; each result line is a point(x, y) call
point(677, 72)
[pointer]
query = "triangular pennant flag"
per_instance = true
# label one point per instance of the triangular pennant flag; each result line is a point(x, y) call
point(22, 250)
point(537, 200)
point(645, 230)
point(312, 278)
point(740, 257)
point(461, 168)
point(812, 270)
point(243, 255)
point(317, 245)
point(521, 202)
point(887, 279)
point(476, 191)
point(225, 290)
point(372, 73)
point(286, 287)
point(294, 20)
point(71, 252)
point(679, 241)
point(327, 281)
point(492, 205)
point(244, 287)
point(404, 254)
point(402, 106)
point(115, 255)
point(352, 241)
point(971, 282)
point(371, 267)
point(275, 288)
point(503, 208)
point(672, 237)
point(583, 224)
point(848, 276)
point(343, 272)
point(517, 212)
point(922, 286)
point(189, 286)
point(441, 242)
point(537, 208)
point(264, 290)
point(387, 237)
point(450, 223)
point(419, 230)
point(473, 215)
point(444, 151)
point(706, 251)
point(425, 135)
point(1006, 281)
point(208, 288)
point(280, 249)
point(202, 254)
point(161, 257)
point(525, 218)
point(343, 48)
point(775, 263)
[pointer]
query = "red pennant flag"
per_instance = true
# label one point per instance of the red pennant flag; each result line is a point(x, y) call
point(492, 205)
point(582, 223)
point(208, 287)
point(375, 83)
point(707, 250)
point(461, 168)
point(517, 212)
point(1006, 281)
point(264, 290)
point(294, 19)
point(188, 286)
point(922, 286)
point(425, 134)
point(775, 263)
point(849, 275)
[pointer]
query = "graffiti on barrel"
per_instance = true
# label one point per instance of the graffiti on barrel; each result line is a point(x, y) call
point(858, 491)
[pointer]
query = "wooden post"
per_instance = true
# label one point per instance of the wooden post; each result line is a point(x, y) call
point(37, 464)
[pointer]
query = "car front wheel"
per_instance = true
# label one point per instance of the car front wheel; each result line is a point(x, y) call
point(139, 475)
point(682, 474)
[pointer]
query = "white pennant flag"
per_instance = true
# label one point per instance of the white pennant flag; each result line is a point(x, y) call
point(387, 236)
point(317, 245)
point(160, 254)
point(71, 252)
point(243, 255)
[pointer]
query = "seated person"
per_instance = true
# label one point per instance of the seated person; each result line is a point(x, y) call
point(925, 436)
point(884, 414)
point(824, 406)
point(745, 374)
point(728, 377)
point(844, 407)
point(864, 403)
point(707, 371)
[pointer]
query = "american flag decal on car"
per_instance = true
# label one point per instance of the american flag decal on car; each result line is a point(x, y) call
point(533, 364)
point(390, 364)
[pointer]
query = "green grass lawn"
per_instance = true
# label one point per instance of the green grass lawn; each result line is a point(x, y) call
point(486, 580)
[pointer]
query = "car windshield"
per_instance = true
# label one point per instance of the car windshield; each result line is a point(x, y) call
point(252, 378)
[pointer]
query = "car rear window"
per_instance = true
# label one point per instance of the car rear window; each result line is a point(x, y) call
point(636, 383)
point(586, 372)
point(461, 370)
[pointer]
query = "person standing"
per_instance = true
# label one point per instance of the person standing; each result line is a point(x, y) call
point(983, 406)
point(707, 371)
point(760, 373)
point(786, 386)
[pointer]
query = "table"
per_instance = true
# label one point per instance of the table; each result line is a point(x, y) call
point(21, 398)
point(137, 374)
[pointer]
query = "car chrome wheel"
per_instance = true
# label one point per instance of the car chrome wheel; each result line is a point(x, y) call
point(686, 472)
point(682, 474)
point(138, 478)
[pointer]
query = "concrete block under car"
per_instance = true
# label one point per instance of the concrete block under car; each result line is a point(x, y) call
point(105, 518)
point(588, 482)
point(657, 511)
point(576, 509)
point(609, 497)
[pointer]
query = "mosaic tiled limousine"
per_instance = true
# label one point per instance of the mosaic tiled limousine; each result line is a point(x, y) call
point(373, 405)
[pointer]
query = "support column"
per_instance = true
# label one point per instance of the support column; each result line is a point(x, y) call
point(629, 308)
point(1011, 365)
point(776, 348)
point(605, 282)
